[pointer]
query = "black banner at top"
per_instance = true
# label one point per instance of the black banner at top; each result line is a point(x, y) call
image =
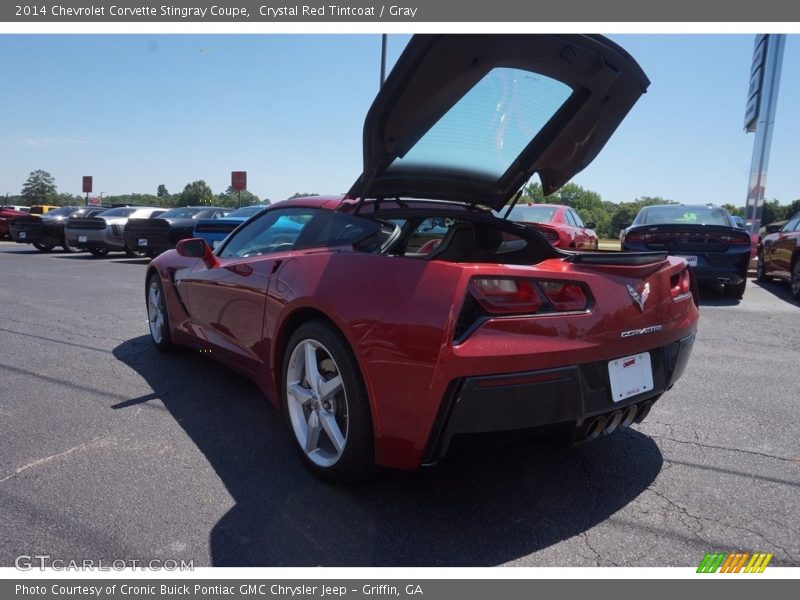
point(409, 11)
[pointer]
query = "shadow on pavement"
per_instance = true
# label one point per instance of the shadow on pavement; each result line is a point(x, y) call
point(479, 507)
point(779, 289)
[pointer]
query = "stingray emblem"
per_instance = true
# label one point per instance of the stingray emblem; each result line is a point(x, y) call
point(639, 299)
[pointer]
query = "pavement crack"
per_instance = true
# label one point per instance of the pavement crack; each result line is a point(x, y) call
point(47, 459)
point(72, 331)
point(726, 448)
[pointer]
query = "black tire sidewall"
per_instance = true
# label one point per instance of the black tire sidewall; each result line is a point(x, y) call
point(358, 459)
point(166, 344)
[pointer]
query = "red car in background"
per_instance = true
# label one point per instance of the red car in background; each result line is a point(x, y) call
point(380, 352)
point(779, 256)
point(6, 214)
point(560, 224)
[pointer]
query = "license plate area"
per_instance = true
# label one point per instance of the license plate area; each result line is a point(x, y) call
point(143, 241)
point(81, 239)
point(692, 260)
point(22, 235)
point(630, 375)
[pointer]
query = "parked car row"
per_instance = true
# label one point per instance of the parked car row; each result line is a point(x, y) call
point(134, 230)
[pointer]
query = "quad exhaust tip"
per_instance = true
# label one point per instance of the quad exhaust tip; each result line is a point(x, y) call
point(607, 424)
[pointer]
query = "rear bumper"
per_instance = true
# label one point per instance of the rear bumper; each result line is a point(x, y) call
point(575, 395)
point(154, 243)
point(103, 238)
point(712, 267)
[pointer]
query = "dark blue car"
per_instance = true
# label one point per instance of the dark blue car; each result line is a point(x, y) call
point(706, 236)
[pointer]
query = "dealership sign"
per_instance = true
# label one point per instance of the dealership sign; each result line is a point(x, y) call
point(87, 184)
point(238, 180)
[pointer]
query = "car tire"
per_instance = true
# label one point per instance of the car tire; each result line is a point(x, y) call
point(332, 427)
point(43, 247)
point(134, 253)
point(794, 284)
point(761, 269)
point(736, 290)
point(69, 249)
point(157, 315)
point(99, 252)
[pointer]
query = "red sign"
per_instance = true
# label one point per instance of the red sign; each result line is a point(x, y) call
point(95, 201)
point(238, 180)
point(87, 184)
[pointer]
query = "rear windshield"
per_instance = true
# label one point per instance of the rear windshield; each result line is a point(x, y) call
point(245, 211)
point(532, 214)
point(488, 128)
point(686, 215)
point(119, 212)
point(62, 212)
point(180, 213)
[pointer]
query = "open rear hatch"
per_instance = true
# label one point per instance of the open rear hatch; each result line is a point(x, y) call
point(472, 117)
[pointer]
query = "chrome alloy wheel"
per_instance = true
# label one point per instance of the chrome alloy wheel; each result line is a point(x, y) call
point(155, 311)
point(317, 403)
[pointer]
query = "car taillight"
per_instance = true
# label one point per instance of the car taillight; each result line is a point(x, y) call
point(502, 295)
point(564, 296)
point(640, 237)
point(735, 239)
point(505, 296)
point(680, 284)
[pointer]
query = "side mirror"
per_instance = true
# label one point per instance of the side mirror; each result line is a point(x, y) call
point(590, 225)
point(772, 228)
point(624, 225)
point(197, 248)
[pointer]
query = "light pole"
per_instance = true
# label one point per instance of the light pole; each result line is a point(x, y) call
point(383, 58)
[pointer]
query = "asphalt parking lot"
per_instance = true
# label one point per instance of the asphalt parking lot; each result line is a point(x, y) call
point(110, 450)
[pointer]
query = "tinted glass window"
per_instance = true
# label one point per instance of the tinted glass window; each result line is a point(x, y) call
point(485, 131)
point(791, 225)
point(61, 212)
point(295, 228)
point(532, 214)
point(118, 212)
point(576, 219)
point(246, 211)
point(181, 213)
point(694, 215)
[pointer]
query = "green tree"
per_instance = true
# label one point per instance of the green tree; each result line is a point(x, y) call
point(230, 197)
point(736, 211)
point(773, 211)
point(196, 193)
point(301, 195)
point(793, 208)
point(39, 188)
point(532, 194)
point(164, 197)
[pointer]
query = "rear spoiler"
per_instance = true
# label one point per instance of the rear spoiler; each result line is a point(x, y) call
point(617, 259)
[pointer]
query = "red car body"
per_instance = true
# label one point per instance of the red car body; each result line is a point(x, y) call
point(6, 214)
point(561, 225)
point(779, 255)
point(380, 346)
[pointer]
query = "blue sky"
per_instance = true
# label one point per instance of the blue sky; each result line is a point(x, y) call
point(136, 111)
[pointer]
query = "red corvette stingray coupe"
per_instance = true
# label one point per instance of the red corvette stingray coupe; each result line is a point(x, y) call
point(380, 346)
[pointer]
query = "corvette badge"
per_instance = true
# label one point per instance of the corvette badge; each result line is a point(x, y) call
point(639, 299)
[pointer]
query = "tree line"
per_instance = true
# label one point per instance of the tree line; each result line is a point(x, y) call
point(40, 188)
point(609, 217)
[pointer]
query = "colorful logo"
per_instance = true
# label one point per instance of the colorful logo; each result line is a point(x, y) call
point(734, 563)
